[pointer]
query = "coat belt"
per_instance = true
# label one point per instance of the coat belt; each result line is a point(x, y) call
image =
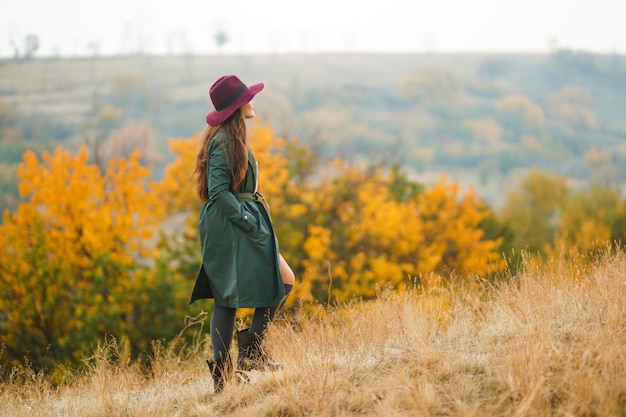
point(253, 197)
point(247, 197)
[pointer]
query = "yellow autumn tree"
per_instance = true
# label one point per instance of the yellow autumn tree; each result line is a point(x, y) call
point(533, 210)
point(546, 215)
point(589, 221)
point(75, 261)
point(363, 238)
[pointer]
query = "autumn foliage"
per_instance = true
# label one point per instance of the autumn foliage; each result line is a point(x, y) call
point(91, 251)
point(547, 215)
point(70, 269)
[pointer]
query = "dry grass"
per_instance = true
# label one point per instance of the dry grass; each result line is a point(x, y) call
point(549, 342)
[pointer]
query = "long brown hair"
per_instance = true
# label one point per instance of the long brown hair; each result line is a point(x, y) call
point(237, 156)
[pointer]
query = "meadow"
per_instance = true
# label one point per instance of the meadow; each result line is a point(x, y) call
point(549, 340)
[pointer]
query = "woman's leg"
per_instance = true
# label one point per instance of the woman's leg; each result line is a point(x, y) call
point(285, 271)
point(288, 280)
point(222, 326)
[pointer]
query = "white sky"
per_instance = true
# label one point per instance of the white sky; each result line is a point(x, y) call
point(67, 27)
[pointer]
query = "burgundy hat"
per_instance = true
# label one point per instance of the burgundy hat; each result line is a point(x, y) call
point(229, 93)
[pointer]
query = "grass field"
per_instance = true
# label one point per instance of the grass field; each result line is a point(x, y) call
point(550, 341)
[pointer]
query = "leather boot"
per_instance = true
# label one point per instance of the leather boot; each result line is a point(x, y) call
point(251, 355)
point(221, 371)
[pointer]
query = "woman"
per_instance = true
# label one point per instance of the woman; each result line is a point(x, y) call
point(241, 263)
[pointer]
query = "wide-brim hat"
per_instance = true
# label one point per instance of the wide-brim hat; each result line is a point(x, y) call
point(229, 93)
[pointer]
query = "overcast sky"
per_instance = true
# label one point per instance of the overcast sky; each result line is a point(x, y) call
point(80, 27)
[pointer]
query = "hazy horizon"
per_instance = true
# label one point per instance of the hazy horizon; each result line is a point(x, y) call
point(75, 28)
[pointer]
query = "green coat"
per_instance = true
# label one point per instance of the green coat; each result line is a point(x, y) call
point(240, 266)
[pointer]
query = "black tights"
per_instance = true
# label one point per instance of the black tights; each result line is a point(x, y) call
point(223, 324)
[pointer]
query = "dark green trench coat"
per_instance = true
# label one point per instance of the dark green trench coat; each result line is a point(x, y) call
point(240, 266)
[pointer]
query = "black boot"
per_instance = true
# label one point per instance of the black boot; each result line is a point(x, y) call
point(221, 371)
point(251, 355)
